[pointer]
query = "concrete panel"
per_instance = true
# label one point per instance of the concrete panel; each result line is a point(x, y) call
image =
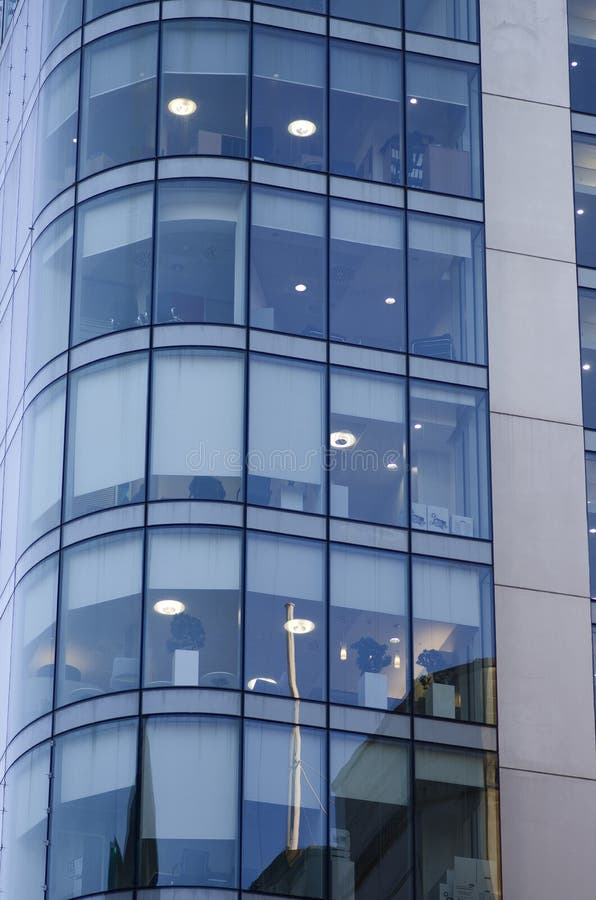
point(517, 37)
point(544, 665)
point(532, 320)
point(548, 836)
point(528, 183)
point(538, 482)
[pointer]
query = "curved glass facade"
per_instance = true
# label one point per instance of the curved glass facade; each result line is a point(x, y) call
point(246, 590)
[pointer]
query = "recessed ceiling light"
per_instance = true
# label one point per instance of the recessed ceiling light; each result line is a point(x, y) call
point(182, 106)
point(390, 301)
point(394, 640)
point(580, 212)
point(169, 607)
point(251, 684)
point(300, 288)
point(392, 464)
point(74, 140)
point(342, 440)
point(417, 426)
point(413, 101)
point(592, 530)
point(299, 626)
point(302, 128)
point(586, 367)
point(574, 64)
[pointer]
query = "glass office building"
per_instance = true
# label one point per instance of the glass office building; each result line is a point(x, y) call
point(266, 535)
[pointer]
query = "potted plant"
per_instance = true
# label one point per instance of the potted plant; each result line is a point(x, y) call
point(438, 691)
point(187, 638)
point(371, 658)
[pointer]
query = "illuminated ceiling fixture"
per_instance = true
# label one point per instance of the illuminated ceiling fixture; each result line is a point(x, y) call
point(413, 101)
point(392, 464)
point(169, 607)
point(251, 684)
point(592, 530)
point(300, 288)
point(580, 212)
point(342, 440)
point(397, 661)
point(390, 301)
point(417, 426)
point(394, 640)
point(586, 367)
point(182, 106)
point(299, 626)
point(343, 652)
point(302, 128)
point(574, 64)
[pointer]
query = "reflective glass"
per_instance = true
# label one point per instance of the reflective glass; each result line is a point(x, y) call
point(18, 341)
point(368, 629)
point(587, 321)
point(584, 171)
point(286, 428)
point(365, 137)
point(591, 496)
point(189, 826)
point(96, 8)
point(582, 55)
point(285, 617)
point(315, 6)
point(369, 818)
point(449, 482)
point(93, 818)
point(369, 478)
point(443, 126)
point(288, 102)
point(201, 252)
point(284, 816)
point(197, 433)
point(100, 617)
point(107, 435)
point(60, 17)
point(9, 218)
point(456, 806)
point(594, 658)
point(288, 276)
point(377, 12)
point(33, 643)
point(454, 647)
point(5, 643)
point(204, 88)
point(446, 297)
point(366, 276)
point(10, 506)
point(192, 617)
point(447, 18)
point(119, 100)
point(56, 154)
point(112, 287)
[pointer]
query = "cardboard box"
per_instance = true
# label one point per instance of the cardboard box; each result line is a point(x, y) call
point(438, 519)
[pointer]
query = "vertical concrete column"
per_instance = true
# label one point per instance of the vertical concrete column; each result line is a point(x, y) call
point(546, 716)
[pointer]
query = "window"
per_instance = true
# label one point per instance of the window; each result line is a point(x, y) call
point(193, 608)
point(285, 617)
point(288, 103)
point(315, 6)
point(447, 18)
point(100, 617)
point(377, 12)
point(591, 492)
point(584, 170)
point(288, 279)
point(96, 8)
point(204, 88)
point(60, 17)
point(587, 321)
point(582, 56)
point(201, 252)
point(369, 631)
point(56, 154)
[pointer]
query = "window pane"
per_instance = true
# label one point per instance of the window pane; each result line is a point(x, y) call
point(316, 6)
point(204, 88)
point(93, 822)
point(369, 637)
point(365, 139)
point(582, 56)
point(447, 18)
point(280, 657)
point(57, 131)
point(107, 435)
point(197, 434)
point(284, 821)
point(587, 321)
point(193, 608)
point(457, 823)
point(591, 492)
point(378, 12)
point(289, 108)
point(584, 170)
point(60, 17)
point(201, 252)
point(189, 826)
point(33, 643)
point(369, 480)
point(449, 457)
point(454, 668)
point(443, 126)
point(119, 100)
point(113, 263)
point(24, 836)
point(101, 585)
point(96, 8)
point(49, 294)
point(446, 299)
point(288, 280)
point(366, 281)
point(369, 818)
point(286, 444)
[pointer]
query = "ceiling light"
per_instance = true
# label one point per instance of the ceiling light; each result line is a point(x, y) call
point(169, 607)
point(580, 212)
point(343, 652)
point(397, 661)
point(74, 140)
point(302, 128)
point(586, 367)
point(342, 440)
point(251, 684)
point(390, 301)
point(299, 626)
point(417, 426)
point(574, 64)
point(300, 288)
point(392, 464)
point(592, 530)
point(413, 101)
point(394, 640)
point(182, 106)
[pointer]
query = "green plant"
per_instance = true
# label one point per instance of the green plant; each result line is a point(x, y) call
point(372, 656)
point(436, 664)
point(187, 633)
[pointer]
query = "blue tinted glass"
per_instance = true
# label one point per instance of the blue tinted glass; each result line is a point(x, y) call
point(378, 12)
point(591, 493)
point(96, 8)
point(447, 18)
point(587, 317)
point(60, 17)
point(584, 170)
point(57, 131)
point(582, 56)
point(316, 6)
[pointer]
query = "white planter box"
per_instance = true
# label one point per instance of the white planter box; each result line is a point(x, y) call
point(440, 701)
point(372, 690)
point(185, 668)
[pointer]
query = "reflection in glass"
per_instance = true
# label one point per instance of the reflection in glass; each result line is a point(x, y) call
point(189, 824)
point(366, 281)
point(201, 252)
point(456, 806)
point(587, 321)
point(92, 832)
point(377, 12)
point(454, 652)
point(197, 425)
point(100, 617)
point(582, 55)
point(288, 104)
point(60, 17)
point(96, 8)
point(113, 263)
point(288, 281)
point(365, 139)
point(591, 493)
point(446, 18)
point(368, 630)
point(584, 171)
point(285, 585)
point(192, 614)
point(446, 315)
point(449, 460)
point(57, 131)
point(369, 480)
point(315, 6)
point(284, 817)
point(443, 126)
point(204, 88)
point(369, 818)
